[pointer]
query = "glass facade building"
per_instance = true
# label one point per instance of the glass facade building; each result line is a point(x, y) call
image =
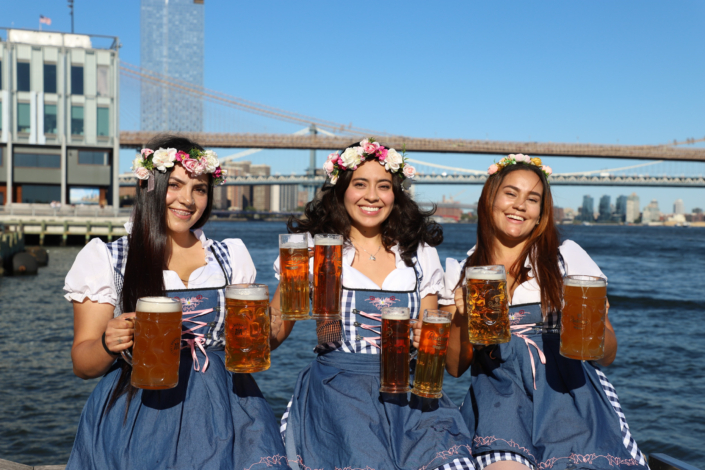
point(172, 33)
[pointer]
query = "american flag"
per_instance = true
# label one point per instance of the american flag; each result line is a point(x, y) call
point(45, 20)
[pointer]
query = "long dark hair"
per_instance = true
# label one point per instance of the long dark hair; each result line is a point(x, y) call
point(147, 247)
point(407, 225)
point(541, 247)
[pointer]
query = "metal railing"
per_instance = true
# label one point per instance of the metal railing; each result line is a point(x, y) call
point(45, 210)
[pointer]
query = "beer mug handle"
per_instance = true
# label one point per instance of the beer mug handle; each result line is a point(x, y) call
point(127, 356)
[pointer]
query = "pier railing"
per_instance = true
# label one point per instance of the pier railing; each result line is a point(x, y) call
point(44, 210)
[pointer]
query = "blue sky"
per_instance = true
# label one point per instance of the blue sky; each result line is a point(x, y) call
point(627, 72)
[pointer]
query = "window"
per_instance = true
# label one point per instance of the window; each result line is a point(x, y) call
point(22, 76)
point(41, 193)
point(77, 120)
point(92, 158)
point(50, 119)
point(34, 160)
point(103, 121)
point(76, 79)
point(23, 120)
point(49, 78)
point(102, 80)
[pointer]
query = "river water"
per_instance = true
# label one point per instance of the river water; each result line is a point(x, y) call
point(657, 279)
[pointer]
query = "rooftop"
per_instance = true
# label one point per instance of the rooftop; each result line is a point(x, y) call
point(58, 39)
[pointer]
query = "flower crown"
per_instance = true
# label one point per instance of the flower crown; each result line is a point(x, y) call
point(352, 157)
point(196, 162)
point(513, 159)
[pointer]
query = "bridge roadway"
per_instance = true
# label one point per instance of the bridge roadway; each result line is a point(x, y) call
point(138, 139)
point(556, 180)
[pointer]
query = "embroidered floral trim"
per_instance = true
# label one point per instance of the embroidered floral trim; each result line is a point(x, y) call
point(453, 451)
point(547, 464)
point(269, 461)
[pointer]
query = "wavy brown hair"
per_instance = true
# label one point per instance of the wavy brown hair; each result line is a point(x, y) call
point(407, 225)
point(541, 247)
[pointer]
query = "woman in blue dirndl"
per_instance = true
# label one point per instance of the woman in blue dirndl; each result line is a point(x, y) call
point(212, 419)
point(527, 405)
point(337, 417)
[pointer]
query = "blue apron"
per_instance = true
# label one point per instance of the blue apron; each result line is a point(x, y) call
point(339, 419)
point(212, 419)
point(556, 412)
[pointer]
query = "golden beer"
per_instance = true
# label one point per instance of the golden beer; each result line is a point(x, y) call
point(293, 280)
point(395, 350)
point(327, 276)
point(433, 348)
point(156, 350)
point(583, 317)
point(488, 318)
point(247, 328)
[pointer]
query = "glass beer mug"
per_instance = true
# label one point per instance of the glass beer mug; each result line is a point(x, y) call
point(155, 353)
point(488, 316)
point(327, 276)
point(395, 350)
point(247, 328)
point(583, 317)
point(433, 348)
point(293, 280)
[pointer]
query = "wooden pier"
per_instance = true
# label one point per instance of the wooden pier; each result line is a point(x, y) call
point(88, 227)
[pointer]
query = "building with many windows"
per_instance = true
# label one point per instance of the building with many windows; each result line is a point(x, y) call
point(59, 138)
point(587, 209)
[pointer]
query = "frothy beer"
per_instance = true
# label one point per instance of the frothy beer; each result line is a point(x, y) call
point(433, 348)
point(583, 317)
point(155, 354)
point(247, 328)
point(294, 282)
point(395, 350)
point(488, 319)
point(327, 272)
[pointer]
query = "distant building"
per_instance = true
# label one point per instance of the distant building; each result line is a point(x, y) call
point(632, 213)
point(171, 33)
point(558, 214)
point(261, 194)
point(587, 209)
point(605, 210)
point(651, 212)
point(620, 210)
point(678, 207)
point(59, 138)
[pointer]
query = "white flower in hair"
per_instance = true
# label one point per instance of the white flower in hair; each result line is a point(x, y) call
point(211, 159)
point(350, 158)
point(163, 159)
point(393, 161)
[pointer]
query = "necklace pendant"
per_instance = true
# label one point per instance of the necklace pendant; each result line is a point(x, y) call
point(373, 258)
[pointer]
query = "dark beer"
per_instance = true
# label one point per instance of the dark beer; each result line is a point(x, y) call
point(583, 318)
point(488, 316)
point(293, 280)
point(327, 273)
point(155, 353)
point(247, 328)
point(395, 350)
point(433, 348)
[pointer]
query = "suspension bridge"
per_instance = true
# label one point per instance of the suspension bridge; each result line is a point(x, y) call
point(226, 116)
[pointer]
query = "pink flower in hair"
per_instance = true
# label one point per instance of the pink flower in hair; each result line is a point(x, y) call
point(146, 153)
point(193, 166)
point(333, 157)
point(522, 158)
point(370, 147)
point(409, 171)
point(142, 173)
point(547, 169)
point(181, 155)
point(492, 169)
point(382, 153)
point(329, 166)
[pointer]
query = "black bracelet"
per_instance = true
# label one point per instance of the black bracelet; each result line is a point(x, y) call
point(105, 346)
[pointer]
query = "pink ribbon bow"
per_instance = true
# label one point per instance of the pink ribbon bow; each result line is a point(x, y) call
point(199, 338)
point(520, 334)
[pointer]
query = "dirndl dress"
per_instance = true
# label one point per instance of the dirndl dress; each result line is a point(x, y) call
point(338, 419)
point(213, 419)
point(565, 415)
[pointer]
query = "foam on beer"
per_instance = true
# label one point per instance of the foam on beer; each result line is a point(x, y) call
point(158, 305)
point(586, 281)
point(295, 240)
point(436, 320)
point(294, 245)
point(247, 293)
point(328, 241)
point(395, 314)
point(473, 273)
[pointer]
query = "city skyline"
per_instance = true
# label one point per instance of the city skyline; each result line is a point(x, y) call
point(561, 73)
